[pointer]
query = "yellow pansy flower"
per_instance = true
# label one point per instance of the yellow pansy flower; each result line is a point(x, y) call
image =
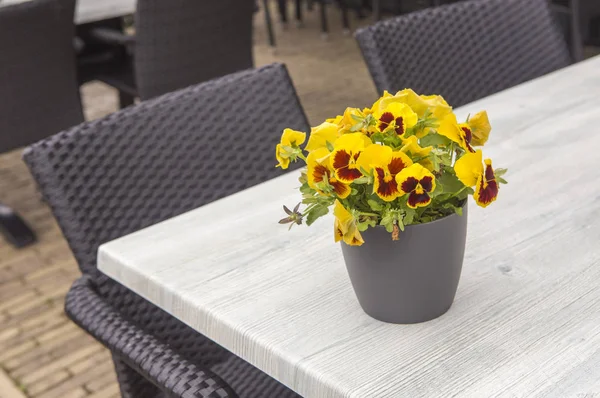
point(396, 115)
point(437, 105)
point(348, 121)
point(450, 129)
point(345, 226)
point(418, 183)
point(470, 171)
point(319, 170)
point(420, 104)
point(288, 147)
point(479, 127)
point(334, 120)
point(385, 164)
point(321, 135)
point(346, 152)
point(411, 147)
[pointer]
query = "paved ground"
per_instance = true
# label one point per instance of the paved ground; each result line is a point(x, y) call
point(42, 354)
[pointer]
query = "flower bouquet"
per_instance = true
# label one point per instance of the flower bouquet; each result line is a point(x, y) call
point(402, 164)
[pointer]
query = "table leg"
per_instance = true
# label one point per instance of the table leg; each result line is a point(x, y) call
point(324, 26)
point(282, 6)
point(269, 22)
point(576, 39)
point(299, 12)
point(125, 100)
point(14, 228)
point(377, 10)
point(345, 20)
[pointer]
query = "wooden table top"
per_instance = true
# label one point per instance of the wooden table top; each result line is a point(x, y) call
point(526, 319)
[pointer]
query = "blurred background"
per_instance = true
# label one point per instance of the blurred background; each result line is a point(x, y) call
point(109, 59)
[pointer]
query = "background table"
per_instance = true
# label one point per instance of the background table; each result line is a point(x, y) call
point(94, 10)
point(526, 319)
point(97, 10)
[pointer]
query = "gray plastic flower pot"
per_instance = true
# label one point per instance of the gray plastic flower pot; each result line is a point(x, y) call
point(413, 279)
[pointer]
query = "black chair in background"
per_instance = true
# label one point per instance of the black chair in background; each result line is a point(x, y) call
point(298, 4)
point(568, 16)
point(145, 164)
point(464, 51)
point(179, 43)
point(39, 95)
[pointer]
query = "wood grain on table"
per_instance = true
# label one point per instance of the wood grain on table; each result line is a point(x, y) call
point(526, 319)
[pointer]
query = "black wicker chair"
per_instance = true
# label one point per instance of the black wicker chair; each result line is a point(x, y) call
point(38, 87)
point(145, 164)
point(464, 51)
point(179, 43)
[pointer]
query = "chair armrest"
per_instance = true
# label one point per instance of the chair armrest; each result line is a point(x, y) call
point(149, 357)
point(111, 36)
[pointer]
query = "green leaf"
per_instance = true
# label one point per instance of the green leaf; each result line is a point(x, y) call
point(315, 213)
point(362, 180)
point(400, 225)
point(305, 189)
point(357, 118)
point(388, 222)
point(370, 120)
point(500, 172)
point(434, 139)
point(449, 182)
point(375, 205)
point(409, 216)
point(501, 180)
point(378, 137)
point(329, 146)
point(357, 127)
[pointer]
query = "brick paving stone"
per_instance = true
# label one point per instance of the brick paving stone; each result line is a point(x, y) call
point(13, 289)
point(99, 383)
point(23, 267)
point(62, 363)
point(17, 319)
point(83, 378)
point(17, 350)
point(17, 300)
point(80, 392)
point(103, 356)
point(110, 391)
point(48, 383)
point(53, 349)
point(7, 387)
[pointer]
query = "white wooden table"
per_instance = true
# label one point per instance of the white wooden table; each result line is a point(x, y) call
point(94, 10)
point(526, 319)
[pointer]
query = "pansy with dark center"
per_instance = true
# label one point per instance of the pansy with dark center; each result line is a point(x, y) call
point(387, 118)
point(467, 136)
point(398, 116)
point(471, 172)
point(345, 154)
point(384, 164)
point(487, 186)
point(460, 134)
point(418, 183)
point(319, 171)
